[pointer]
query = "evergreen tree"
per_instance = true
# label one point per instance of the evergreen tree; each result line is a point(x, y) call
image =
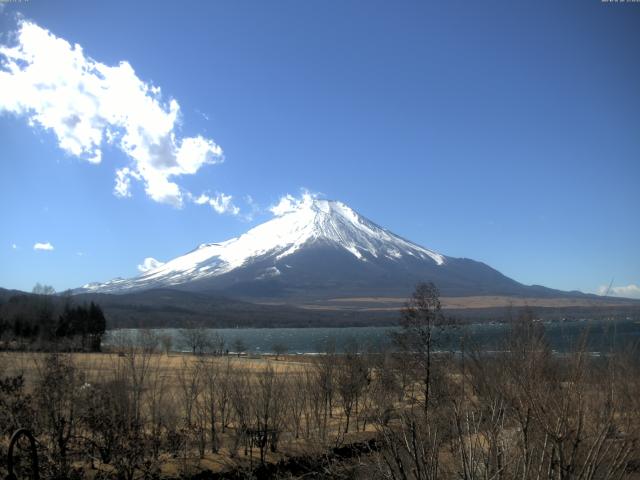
point(97, 325)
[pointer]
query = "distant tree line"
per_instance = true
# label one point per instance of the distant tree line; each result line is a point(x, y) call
point(44, 321)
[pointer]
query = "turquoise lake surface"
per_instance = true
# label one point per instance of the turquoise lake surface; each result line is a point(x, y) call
point(602, 336)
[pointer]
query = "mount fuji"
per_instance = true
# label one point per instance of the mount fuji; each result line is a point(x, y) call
point(319, 249)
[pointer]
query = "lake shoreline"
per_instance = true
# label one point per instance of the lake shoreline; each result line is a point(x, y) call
point(604, 335)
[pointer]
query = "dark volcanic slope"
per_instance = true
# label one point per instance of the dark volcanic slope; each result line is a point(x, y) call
point(175, 308)
point(325, 271)
point(319, 250)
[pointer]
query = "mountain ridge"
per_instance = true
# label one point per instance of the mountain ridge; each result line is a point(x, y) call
point(319, 249)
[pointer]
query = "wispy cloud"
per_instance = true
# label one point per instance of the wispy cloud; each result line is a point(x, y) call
point(149, 263)
point(204, 115)
point(628, 291)
point(289, 203)
point(46, 246)
point(88, 105)
point(220, 202)
point(253, 209)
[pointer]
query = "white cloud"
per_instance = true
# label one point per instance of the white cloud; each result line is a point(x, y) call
point(88, 104)
point(149, 263)
point(46, 246)
point(14, 246)
point(221, 203)
point(628, 291)
point(289, 203)
point(123, 182)
point(254, 209)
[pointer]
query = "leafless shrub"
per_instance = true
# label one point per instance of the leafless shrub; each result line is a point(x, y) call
point(520, 412)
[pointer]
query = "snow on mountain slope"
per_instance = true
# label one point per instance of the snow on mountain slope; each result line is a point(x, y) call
point(311, 222)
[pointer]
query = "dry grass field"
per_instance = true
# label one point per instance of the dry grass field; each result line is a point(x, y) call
point(522, 412)
point(181, 382)
point(471, 302)
point(102, 365)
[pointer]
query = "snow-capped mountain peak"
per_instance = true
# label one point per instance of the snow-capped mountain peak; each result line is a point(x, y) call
point(309, 222)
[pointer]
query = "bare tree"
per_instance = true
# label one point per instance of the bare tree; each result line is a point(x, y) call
point(279, 348)
point(55, 395)
point(324, 387)
point(166, 342)
point(211, 373)
point(418, 320)
point(352, 377)
point(296, 392)
point(269, 405)
point(240, 396)
point(193, 339)
point(239, 346)
point(222, 393)
point(189, 382)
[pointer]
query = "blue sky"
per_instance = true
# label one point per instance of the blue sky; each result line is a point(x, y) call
point(507, 132)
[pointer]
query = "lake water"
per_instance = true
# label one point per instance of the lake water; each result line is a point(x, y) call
point(603, 335)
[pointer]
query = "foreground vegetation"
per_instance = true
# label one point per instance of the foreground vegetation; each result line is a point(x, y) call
point(414, 413)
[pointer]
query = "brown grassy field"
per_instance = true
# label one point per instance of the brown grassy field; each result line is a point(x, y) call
point(101, 365)
point(172, 374)
point(473, 302)
point(510, 414)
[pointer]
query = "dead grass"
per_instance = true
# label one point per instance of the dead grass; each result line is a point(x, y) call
point(103, 365)
point(492, 301)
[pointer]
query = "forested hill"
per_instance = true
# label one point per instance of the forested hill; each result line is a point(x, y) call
point(160, 308)
point(43, 319)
